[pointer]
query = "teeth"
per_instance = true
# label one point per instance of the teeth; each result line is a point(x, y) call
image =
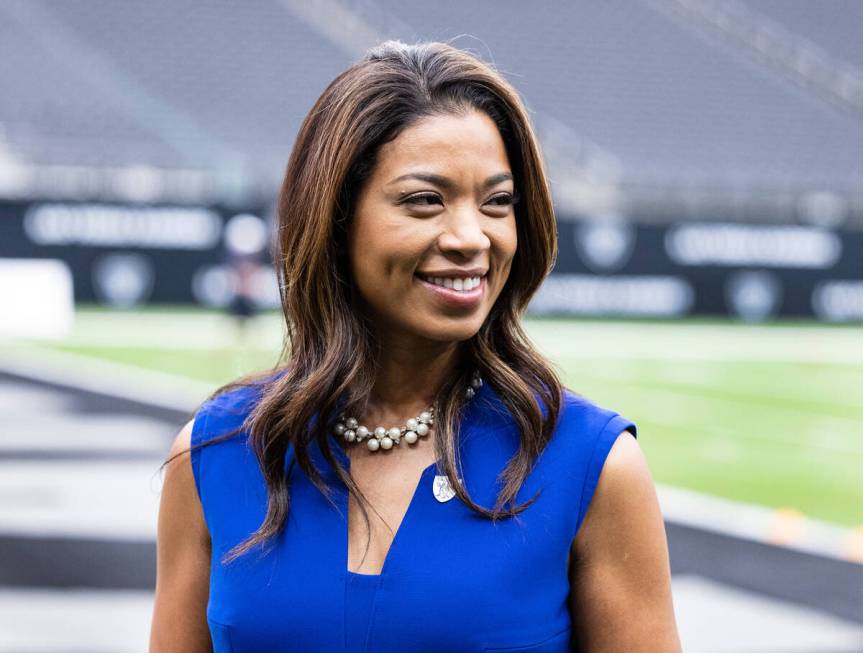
point(459, 284)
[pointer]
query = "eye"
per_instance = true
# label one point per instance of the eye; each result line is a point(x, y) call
point(505, 199)
point(420, 199)
point(430, 199)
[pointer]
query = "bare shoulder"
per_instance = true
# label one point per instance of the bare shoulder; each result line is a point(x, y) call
point(625, 469)
point(621, 559)
point(182, 557)
point(179, 493)
point(183, 440)
point(625, 493)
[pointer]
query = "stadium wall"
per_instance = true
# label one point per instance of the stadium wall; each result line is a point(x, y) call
point(127, 255)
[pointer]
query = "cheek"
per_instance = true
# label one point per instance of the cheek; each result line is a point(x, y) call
point(363, 263)
point(383, 256)
point(362, 273)
point(504, 240)
point(366, 246)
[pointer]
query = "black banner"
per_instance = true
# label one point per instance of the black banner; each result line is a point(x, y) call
point(129, 255)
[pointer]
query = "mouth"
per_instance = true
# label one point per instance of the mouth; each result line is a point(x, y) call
point(458, 284)
point(455, 291)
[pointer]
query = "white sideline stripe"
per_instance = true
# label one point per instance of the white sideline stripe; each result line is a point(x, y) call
point(747, 521)
point(77, 618)
point(69, 499)
point(704, 609)
point(777, 527)
point(106, 377)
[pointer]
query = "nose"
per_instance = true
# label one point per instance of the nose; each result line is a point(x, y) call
point(464, 235)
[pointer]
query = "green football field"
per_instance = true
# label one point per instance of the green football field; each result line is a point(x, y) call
point(769, 414)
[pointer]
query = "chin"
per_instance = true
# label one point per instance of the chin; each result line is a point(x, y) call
point(453, 332)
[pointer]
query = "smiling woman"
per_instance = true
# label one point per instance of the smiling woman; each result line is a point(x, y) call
point(438, 241)
point(411, 475)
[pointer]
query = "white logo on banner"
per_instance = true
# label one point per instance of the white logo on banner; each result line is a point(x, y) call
point(212, 285)
point(245, 234)
point(754, 295)
point(604, 246)
point(838, 300)
point(123, 280)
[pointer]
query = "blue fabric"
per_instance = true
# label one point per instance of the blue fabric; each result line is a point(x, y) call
point(452, 580)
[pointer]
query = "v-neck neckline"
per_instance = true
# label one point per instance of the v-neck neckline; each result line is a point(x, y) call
point(470, 417)
point(344, 496)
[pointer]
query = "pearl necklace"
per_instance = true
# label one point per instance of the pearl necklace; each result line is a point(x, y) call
point(383, 438)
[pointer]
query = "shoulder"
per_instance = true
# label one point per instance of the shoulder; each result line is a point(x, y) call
point(225, 410)
point(217, 439)
point(584, 430)
point(585, 435)
point(621, 557)
point(183, 440)
point(183, 551)
point(624, 500)
point(179, 490)
point(584, 422)
point(625, 475)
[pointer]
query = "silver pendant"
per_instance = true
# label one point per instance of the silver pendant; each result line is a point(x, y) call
point(442, 489)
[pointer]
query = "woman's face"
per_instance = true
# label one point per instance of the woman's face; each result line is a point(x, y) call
point(433, 234)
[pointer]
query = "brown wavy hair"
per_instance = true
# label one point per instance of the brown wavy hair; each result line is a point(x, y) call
point(329, 358)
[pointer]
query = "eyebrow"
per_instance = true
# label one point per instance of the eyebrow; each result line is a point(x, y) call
point(446, 183)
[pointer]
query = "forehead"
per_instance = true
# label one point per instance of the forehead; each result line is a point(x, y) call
point(447, 140)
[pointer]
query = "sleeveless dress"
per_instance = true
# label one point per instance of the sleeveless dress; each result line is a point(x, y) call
point(453, 581)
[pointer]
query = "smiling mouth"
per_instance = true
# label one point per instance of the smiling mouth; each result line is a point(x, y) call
point(458, 284)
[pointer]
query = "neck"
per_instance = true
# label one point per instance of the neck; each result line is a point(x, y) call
point(410, 374)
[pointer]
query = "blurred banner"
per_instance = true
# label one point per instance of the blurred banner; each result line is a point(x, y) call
point(124, 256)
point(127, 255)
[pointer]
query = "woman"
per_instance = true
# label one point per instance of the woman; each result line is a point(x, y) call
point(412, 476)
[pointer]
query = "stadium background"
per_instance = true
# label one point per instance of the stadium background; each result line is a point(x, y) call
point(706, 168)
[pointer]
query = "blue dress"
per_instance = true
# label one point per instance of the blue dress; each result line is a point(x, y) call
point(452, 581)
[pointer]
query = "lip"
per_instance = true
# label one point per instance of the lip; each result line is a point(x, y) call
point(453, 273)
point(456, 298)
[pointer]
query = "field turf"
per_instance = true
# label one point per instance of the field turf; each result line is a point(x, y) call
point(769, 414)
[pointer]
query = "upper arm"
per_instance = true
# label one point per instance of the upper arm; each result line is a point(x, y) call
point(182, 559)
point(621, 576)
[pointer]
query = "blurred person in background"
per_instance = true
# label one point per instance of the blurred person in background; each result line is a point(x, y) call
point(242, 306)
point(245, 238)
point(411, 475)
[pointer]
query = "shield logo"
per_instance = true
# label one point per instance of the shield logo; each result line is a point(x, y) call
point(442, 489)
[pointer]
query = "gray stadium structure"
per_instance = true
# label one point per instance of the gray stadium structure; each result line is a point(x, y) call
point(705, 156)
